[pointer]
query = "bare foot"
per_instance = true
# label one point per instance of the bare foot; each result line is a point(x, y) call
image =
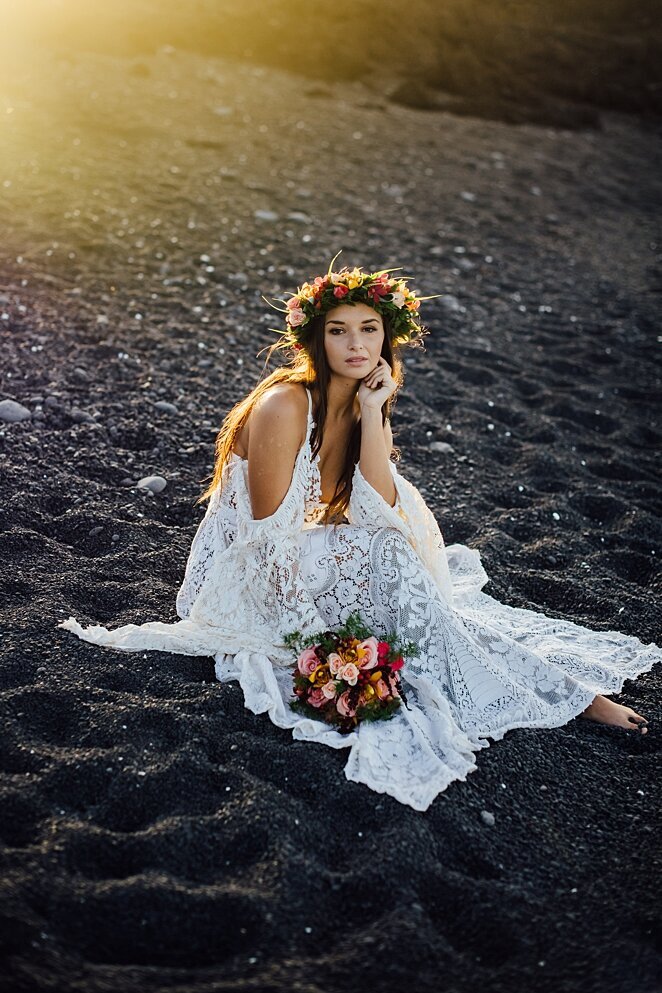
point(606, 711)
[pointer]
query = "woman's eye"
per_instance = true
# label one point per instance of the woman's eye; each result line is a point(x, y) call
point(342, 330)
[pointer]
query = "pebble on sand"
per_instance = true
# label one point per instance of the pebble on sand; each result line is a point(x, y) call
point(154, 483)
point(488, 817)
point(11, 412)
point(452, 303)
point(81, 416)
point(165, 407)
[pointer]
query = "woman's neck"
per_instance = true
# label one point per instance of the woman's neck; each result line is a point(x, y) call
point(341, 398)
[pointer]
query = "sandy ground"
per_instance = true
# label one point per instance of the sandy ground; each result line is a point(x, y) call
point(157, 835)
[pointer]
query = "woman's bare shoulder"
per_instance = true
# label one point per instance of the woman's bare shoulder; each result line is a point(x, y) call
point(282, 410)
point(288, 397)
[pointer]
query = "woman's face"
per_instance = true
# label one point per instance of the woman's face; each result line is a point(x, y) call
point(353, 339)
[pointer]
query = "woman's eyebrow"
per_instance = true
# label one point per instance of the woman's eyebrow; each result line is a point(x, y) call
point(368, 320)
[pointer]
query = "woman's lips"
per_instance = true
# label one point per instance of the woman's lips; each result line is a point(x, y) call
point(355, 361)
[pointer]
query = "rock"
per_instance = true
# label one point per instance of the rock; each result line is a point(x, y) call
point(95, 531)
point(81, 416)
point(165, 407)
point(299, 217)
point(126, 482)
point(154, 483)
point(487, 817)
point(11, 412)
point(265, 215)
point(451, 303)
point(441, 446)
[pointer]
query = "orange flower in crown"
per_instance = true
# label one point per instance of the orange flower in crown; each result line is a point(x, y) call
point(388, 295)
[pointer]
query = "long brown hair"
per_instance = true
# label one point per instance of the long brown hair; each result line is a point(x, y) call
point(310, 367)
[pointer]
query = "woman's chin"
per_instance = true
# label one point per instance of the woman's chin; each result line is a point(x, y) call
point(355, 372)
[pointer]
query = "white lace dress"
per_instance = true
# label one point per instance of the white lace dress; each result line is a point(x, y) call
point(483, 668)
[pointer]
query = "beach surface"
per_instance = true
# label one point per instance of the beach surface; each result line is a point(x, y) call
point(155, 834)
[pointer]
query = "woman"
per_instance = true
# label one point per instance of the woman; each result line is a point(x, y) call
point(309, 521)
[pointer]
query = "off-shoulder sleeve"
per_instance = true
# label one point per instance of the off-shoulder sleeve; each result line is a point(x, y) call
point(410, 515)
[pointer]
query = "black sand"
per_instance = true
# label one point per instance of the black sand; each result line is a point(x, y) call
point(155, 834)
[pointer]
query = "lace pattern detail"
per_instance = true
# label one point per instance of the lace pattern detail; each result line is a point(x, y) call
point(410, 516)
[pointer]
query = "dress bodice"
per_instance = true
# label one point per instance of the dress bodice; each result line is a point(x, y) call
point(315, 507)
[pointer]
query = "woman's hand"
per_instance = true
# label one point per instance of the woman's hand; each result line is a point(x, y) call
point(377, 386)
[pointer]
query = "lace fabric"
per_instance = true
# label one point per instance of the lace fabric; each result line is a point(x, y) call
point(484, 667)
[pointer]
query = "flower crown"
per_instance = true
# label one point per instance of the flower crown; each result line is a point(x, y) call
point(388, 295)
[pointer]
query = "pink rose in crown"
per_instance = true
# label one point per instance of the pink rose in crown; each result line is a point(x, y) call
point(317, 698)
point(371, 648)
point(296, 318)
point(293, 304)
point(349, 673)
point(341, 291)
point(335, 663)
point(307, 662)
point(329, 690)
point(343, 705)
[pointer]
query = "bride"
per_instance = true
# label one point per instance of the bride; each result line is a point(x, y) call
point(309, 521)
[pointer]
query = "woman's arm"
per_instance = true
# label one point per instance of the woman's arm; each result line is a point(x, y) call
point(277, 432)
point(374, 460)
point(376, 440)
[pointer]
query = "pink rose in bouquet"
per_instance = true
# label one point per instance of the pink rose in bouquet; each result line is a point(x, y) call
point(317, 698)
point(349, 673)
point(330, 689)
point(335, 662)
point(370, 648)
point(308, 662)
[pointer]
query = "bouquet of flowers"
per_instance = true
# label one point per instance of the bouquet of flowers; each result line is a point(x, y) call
point(349, 675)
